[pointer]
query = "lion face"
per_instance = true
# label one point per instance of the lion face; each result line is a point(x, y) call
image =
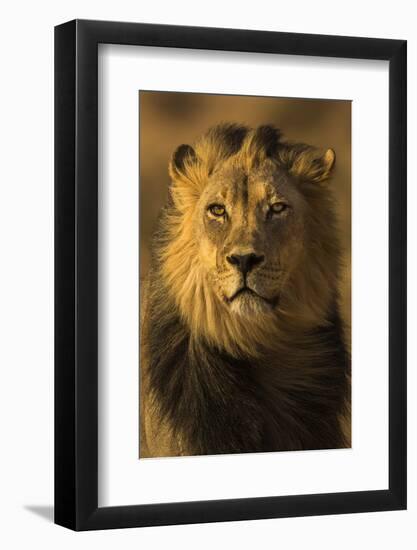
point(248, 235)
point(250, 226)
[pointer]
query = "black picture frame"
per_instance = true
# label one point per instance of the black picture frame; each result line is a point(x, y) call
point(76, 272)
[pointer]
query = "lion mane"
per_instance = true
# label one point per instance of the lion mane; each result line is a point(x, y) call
point(212, 382)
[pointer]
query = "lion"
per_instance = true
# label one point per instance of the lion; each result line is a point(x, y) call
point(242, 345)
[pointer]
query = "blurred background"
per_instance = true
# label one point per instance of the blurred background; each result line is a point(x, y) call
point(168, 119)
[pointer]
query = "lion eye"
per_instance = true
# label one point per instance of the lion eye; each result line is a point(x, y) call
point(217, 210)
point(278, 207)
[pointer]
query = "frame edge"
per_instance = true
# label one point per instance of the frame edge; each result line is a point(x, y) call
point(398, 274)
point(65, 258)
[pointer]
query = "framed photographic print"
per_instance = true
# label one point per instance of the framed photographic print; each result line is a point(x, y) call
point(230, 275)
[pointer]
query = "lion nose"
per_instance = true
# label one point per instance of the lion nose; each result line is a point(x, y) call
point(245, 262)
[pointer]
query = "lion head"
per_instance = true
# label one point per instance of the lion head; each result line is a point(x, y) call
point(247, 244)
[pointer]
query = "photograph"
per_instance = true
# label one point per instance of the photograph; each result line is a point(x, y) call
point(245, 272)
point(230, 295)
point(208, 233)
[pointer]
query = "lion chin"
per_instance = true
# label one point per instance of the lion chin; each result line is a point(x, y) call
point(247, 303)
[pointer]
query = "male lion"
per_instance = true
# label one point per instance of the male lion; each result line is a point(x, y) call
point(242, 347)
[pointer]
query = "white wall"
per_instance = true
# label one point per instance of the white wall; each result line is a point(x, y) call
point(26, 286)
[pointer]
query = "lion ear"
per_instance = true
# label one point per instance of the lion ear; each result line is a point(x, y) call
point(313, 165)
point(328, 161)
point(183, 159)
point(185, 172)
